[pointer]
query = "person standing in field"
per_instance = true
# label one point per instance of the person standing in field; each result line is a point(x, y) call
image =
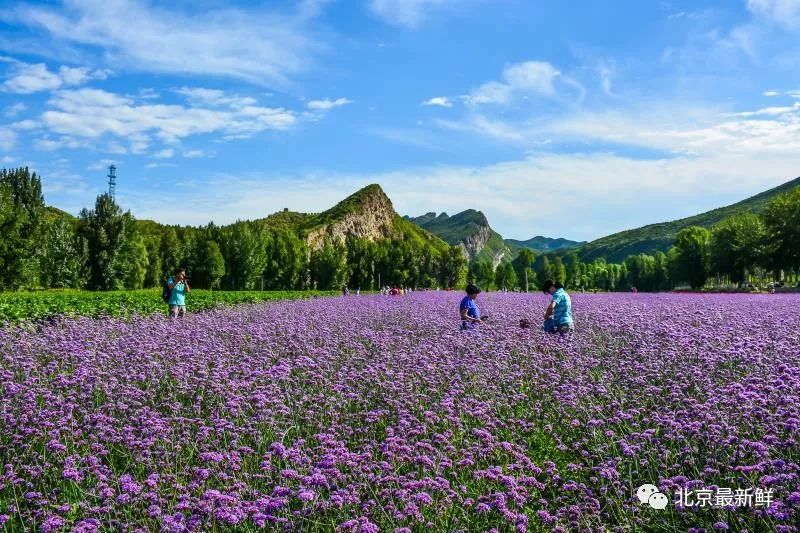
point(178, 286)
point(468, 309)
point(558, 316)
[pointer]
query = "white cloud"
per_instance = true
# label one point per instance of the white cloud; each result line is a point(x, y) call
point(26, 124)
point(441, 101)
point(326, 104)
point(30, 78)
point(606, 73)
point(191, 154)
point(8, 139)
point(48, 145)
point(419, 137)
point(148, 94)
point(521, 79)
point(408, 13)
point(598, 186)
point(488, 127)
point(704, 132)
point(254, 44)
point(7, 159)
point(159, 165)
point(63, 182)
point(14, 110)
point(783, 12)
point(768, 111)
point(164, 154)
point(92, 114)
point(114, 147)
point(74, 76)
point(770, 93)
point(27, 79)
point(215, 97)
point(103, 164)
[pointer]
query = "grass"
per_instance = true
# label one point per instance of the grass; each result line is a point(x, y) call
point(19, 306)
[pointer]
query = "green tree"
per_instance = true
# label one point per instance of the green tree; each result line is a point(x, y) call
point(505, 277)
point(572, 266)
point(556, 270)
point(737, 246)
point(245, 256)
point(209, 265)
point(481, 272)
point(661, 281)
point(523, 264)
point(328, 266)
point(542, 268)
point(691, 260)
point(21, 219)
point(170, 250)
point(104, 229)
point(155, 271)
point(286, 260)
point(782, 219)
point(452, 267)
point(63, 256)
point(132, 261)
point(641, 272)
point(360, 262)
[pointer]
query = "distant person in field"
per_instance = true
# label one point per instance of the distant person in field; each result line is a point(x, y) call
point(558, 316)
point(468, 309)
point(178, 286)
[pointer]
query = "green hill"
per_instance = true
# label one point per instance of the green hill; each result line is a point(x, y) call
point(469, 229)
point(367, 213)
point(543, 245)
point(659, 237)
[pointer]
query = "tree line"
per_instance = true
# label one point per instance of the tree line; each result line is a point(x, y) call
point(742, 249)
point(106, 248)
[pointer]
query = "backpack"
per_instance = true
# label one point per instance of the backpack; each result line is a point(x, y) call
point(166, 292)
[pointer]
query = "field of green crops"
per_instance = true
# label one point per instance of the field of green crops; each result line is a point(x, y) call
point(16, 306)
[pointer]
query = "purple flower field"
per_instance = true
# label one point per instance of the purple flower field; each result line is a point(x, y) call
point(375, 413)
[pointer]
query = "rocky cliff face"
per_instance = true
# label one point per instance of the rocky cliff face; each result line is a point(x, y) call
point(367, 214)
point(475, 242)
point(470, 230)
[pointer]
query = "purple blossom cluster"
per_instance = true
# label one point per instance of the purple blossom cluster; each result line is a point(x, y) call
point(378, 414)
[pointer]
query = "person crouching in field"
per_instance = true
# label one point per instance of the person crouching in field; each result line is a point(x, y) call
point(558, 316)
point(178, 286)
point(468, 309)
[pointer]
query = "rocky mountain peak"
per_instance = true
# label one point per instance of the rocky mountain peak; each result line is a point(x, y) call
point(367, 214)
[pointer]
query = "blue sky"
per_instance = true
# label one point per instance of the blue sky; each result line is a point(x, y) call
point(568, 119)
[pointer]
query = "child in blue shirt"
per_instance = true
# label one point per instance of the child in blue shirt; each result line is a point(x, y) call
point(468, 309)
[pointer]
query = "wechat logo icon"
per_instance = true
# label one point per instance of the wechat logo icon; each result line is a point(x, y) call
point(650, 495)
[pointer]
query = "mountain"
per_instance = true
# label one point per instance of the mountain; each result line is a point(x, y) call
point(367, 214)
point(469, 229)
point(659, 237)
point(543, 245)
